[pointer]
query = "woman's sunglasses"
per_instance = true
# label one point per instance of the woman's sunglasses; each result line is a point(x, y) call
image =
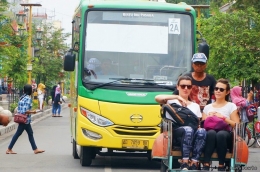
point(184, 86)
point(220, 89)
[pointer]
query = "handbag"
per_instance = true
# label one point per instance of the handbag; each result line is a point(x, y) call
point(251, 111)
point(20, 118)
point(216, 123)
point(180, 116)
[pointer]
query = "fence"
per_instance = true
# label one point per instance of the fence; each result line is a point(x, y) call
point(13, 97)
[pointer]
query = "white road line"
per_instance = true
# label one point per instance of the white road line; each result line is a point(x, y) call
point(108, 169)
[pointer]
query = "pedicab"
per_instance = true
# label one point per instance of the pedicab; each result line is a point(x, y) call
point(164, 150)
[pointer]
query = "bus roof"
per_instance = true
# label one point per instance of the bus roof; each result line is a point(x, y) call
point(136, 4)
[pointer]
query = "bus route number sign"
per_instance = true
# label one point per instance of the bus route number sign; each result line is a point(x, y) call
point(134, 143)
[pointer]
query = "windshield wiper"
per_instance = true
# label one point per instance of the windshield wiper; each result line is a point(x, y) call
point(116, 80)
point(146, 82)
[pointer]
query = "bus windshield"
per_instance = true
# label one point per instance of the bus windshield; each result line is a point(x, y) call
point(135, 44)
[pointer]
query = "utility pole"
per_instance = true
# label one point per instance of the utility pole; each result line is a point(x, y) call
point(29, 63)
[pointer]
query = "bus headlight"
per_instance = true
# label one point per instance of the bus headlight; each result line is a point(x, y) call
point(95, 118)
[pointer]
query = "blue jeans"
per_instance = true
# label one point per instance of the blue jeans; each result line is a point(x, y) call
point(56, 108)
point(19, 131)
point(53, 109)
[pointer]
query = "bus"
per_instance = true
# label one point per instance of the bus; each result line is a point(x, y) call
point(124, 53)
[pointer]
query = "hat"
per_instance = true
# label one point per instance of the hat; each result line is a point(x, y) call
point(93, 63)
point(199, 57)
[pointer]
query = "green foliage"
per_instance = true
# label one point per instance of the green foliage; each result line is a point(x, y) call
point(234, 44)
point(34, 105)
point(243, 4)
point(49, 98)
point(49, 63)
point(13, 106)
point(204, 12)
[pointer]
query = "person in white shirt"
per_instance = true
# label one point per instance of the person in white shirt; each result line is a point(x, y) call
point(185, 136)
point(226, 111)
point(40, 93)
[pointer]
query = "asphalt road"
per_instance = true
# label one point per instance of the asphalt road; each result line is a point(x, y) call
point(53, 135)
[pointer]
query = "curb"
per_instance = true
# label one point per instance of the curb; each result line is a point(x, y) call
point(35, 118)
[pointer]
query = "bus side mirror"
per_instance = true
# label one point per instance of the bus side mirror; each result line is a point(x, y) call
point(204, 48)
point(69, 61)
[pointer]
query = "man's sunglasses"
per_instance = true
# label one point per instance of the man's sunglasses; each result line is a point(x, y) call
point(220, 89)
point(184, 86)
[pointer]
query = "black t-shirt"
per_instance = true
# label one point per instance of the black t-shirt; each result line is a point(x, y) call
point(202, 91)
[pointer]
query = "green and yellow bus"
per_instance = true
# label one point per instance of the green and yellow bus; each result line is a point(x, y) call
point(124, 53)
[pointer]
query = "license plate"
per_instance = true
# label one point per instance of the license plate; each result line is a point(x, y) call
point(133, 143)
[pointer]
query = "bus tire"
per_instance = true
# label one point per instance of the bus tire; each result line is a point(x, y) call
point(86, 156)
point(93, 153)
point(149, 155)
point(74, 150)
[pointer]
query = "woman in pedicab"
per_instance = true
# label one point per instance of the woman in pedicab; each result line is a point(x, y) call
point(184, 136)
point(227, 111)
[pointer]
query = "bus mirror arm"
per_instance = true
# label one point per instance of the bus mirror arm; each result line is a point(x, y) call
point(76, 47)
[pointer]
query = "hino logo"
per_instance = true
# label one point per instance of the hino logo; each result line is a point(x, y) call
point(136, 118)
point(136, 94)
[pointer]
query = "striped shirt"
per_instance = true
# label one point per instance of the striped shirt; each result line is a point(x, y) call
point(24, 105)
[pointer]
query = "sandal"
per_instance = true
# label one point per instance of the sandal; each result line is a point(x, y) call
point(10, 152)
point(206, 167)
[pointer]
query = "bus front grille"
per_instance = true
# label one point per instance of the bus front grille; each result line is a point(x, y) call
point(135, 131)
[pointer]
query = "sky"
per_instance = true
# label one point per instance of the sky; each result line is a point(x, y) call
point(61, 10)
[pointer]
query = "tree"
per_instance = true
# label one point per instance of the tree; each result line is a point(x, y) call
point(234, 44)
point(13, 52)
point(49, 63)
point(243, 4)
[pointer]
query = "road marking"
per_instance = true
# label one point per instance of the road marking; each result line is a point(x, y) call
point(108, 169)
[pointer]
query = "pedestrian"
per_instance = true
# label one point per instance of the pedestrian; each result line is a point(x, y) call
point(24, 107)
point(40, 93)
point(52, 99)
point(241, 102)
point(57, 102)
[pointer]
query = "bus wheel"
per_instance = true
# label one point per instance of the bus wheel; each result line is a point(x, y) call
point(74, 150)
point(93, 153)
point(85, 156)
point(149, 155)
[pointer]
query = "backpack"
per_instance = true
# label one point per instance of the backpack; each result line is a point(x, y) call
point(180, 116)
point(251, 111)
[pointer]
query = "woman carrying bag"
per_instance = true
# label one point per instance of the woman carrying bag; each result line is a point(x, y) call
point(24, 107)
point(227, 112)
point(185, 136)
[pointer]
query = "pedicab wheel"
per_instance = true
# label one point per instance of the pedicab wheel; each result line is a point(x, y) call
point(258, 139)
point(238, 168)
point(247, 140)
point(163, 167)
point(251, 142)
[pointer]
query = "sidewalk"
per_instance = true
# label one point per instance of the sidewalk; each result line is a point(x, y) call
point(35, 118)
